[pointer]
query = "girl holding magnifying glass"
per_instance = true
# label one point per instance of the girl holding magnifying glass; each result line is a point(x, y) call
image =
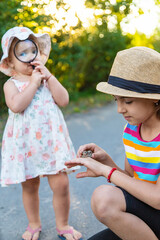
point(35, 141)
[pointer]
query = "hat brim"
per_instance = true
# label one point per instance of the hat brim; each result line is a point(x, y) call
point(44, 45)
point(109, 89)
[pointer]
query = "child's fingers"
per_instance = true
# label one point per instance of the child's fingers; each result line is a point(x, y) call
point(95, 155)
point(36, 63)
point(80, 151)
point(73, 163)
point(81, 175)
point(39, 68)
point(84, 148)
point(67, 163)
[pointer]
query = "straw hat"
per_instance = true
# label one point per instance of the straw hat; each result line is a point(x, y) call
point(22, 33)
point(135, 73)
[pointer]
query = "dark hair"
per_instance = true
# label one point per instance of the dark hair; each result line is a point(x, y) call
point(158, 109)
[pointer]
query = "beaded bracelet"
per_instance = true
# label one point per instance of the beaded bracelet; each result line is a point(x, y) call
point(110, 174)
point(49, 77)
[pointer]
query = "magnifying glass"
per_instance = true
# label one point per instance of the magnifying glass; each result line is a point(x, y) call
point(26, 51)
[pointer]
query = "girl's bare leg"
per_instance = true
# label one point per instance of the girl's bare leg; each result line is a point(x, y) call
point(61, 203)
point(109, 206)
point(30, 191)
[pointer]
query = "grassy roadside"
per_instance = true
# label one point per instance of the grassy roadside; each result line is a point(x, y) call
point(86, 103)
point(81, 105)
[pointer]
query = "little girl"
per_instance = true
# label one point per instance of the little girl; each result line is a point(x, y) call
point(131, 210)
point(35, 140)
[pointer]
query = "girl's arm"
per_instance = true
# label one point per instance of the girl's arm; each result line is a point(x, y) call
point(144, 191)
point(59, 93)
point(101, 156)
point(128, 168)
point(18, 101)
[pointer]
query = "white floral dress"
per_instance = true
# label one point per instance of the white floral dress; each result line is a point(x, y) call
point(35, 142)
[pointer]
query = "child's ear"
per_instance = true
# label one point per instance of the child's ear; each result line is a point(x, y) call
point(156, 102)
point(9, 62)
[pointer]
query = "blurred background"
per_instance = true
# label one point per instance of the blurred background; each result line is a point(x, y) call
point(85, 35)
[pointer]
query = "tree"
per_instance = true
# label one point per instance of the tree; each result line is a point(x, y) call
point(19, 13)
point(80, 56)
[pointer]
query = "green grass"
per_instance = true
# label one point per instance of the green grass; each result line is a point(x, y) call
point(86, 103)
point(79, 105)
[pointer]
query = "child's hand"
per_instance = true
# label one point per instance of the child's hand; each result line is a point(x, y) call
point(94, 168)
point(39, 66)
point(98, 153)
point(36, 77)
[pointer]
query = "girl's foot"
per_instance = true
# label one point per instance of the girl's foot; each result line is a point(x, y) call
point(31, 234)
point(69, 233)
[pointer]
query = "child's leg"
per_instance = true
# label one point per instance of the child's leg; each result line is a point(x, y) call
point(109, 206)
point(30, 190)
point(61, 202)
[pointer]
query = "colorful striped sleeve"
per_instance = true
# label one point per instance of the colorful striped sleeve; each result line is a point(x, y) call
point(143, 156)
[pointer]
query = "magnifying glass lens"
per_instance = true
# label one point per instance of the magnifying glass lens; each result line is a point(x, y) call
point(25, 50)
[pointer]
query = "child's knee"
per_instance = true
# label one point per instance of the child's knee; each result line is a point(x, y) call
point(63, 187)
point(31, 185)
point(60, 184)
point(103, 201)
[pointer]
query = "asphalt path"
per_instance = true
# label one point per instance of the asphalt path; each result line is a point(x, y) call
point(103, 126)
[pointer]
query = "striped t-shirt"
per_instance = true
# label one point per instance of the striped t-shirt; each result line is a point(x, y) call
point(143, 156)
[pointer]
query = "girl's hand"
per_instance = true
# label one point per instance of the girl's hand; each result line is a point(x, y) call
point(36, 77)
point(39, 66)
point(98, 153)
point(55, 87)
point(94, 168)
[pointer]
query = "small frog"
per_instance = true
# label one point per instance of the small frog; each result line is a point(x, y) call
point(87, 154)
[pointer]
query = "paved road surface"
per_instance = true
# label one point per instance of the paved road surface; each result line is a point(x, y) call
point(102, 126)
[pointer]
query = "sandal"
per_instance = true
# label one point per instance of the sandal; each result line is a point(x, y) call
point(62, 232)
point(33, 231)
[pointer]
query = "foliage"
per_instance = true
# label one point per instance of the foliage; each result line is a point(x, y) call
point(85, 59)
point(15, 13)
point(119, 10)
point(7, 16)
point(97, 56)
point(80, 57)
point(8, 13)
point(140, 39)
